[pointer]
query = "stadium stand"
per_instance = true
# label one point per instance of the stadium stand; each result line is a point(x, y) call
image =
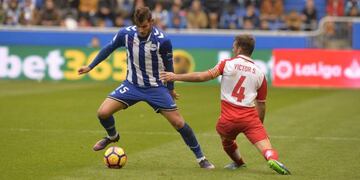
point(221, 14)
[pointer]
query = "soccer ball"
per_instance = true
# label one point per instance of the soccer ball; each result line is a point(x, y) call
point(115, 157)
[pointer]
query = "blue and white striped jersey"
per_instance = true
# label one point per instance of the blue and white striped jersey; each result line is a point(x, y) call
point(146, 58)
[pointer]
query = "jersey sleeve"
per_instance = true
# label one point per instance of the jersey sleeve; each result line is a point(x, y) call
point(217, 70)
point(262, 91)
point(117, 41)
point(220, 67)
point(167, 57)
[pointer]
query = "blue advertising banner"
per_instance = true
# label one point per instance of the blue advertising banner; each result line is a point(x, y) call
point(179, 40)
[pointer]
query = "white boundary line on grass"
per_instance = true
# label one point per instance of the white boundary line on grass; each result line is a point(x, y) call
point(331, 138)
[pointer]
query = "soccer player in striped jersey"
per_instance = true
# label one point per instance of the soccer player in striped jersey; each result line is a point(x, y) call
point(243, 95)
point(149, 52)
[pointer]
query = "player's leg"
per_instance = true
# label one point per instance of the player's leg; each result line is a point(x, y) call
point(105, 114)
point(106, 118)
point(257, 135)
point(161, 100)
point(231, 149)
point(122, 97)
point(188, 135)
point(264, 146)
point(228, 132)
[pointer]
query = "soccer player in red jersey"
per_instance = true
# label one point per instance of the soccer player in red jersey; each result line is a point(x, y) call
point(243, 95)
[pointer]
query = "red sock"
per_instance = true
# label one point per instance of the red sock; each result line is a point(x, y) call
point(270, 154)
point(230, 148)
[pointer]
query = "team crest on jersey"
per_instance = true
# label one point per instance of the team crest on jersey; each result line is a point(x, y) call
point(153, 47)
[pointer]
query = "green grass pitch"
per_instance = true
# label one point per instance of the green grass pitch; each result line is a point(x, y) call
point(47, 131)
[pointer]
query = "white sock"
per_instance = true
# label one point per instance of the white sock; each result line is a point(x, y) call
point(113, 137)
point(200, 159)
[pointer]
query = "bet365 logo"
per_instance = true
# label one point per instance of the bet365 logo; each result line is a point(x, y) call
point(60, 65)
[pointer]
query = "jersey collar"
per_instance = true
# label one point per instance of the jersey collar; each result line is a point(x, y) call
point(245, 58)
point(149, 36)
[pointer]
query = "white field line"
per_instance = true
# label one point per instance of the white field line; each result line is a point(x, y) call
point(329, 138)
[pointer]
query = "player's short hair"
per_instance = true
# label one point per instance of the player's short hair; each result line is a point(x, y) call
point(246, 42)
point(142, 14)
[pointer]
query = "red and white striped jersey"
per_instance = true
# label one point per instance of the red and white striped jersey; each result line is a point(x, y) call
point(242, 81)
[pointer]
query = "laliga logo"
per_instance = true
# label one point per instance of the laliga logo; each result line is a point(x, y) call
point(283, 69)
point(318, 69)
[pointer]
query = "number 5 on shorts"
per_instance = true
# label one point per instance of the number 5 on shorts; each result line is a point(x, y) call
point(238, 91)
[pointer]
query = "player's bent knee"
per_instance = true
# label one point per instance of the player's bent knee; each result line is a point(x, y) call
point(103, 114)
point(174, 118)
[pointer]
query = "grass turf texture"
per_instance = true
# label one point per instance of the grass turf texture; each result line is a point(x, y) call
point(48, 129)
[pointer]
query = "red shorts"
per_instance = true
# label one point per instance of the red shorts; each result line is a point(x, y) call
point(252, 128)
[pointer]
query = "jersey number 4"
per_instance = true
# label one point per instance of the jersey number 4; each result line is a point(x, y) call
point(238, 91)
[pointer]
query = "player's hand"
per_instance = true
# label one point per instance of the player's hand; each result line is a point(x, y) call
point(83, 70)
point(174, 95)
point(167, 76)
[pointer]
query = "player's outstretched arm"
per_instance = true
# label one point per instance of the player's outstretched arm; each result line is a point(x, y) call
point(101, 56)
point(117, 41)
point(189, 77)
